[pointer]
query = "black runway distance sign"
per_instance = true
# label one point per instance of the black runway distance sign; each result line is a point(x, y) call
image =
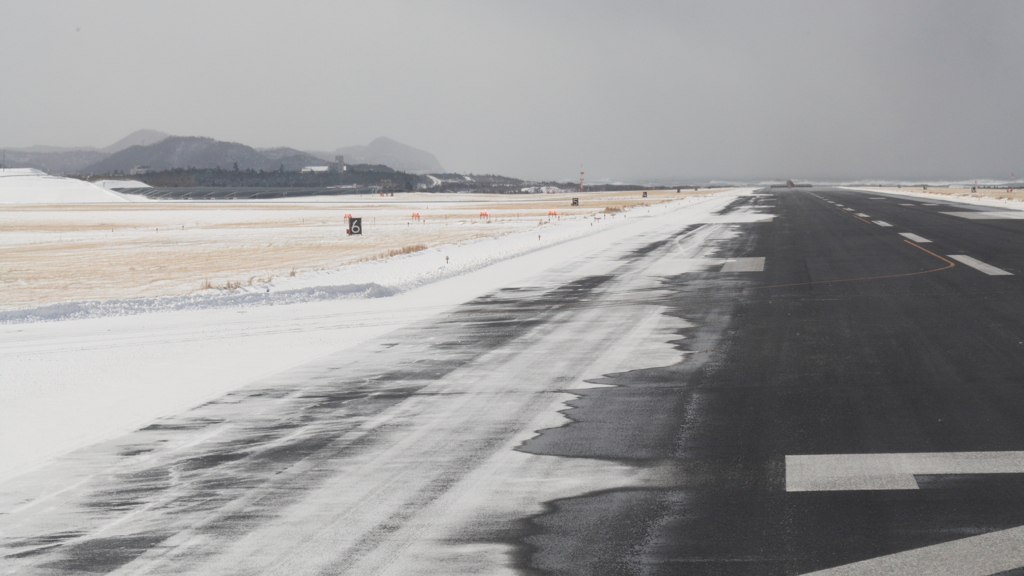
point(355, 226)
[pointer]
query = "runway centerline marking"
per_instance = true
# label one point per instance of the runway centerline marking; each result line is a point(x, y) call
point(979, 265)
point(882, 223)
point(914, 237)
point(863, 215)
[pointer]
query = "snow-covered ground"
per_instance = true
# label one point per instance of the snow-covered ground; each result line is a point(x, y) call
point(30, 186)
point(162, 254)
point(102, 370)
point(985, 197)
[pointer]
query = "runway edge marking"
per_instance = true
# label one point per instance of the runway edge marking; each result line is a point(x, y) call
point(983, 555)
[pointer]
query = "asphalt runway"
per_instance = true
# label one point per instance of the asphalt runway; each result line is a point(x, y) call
point(852, 341)
point(810, 380)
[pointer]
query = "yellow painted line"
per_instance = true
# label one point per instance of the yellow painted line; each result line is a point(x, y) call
point(949, 264)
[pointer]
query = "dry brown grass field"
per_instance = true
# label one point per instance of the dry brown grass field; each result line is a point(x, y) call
point(61, 253)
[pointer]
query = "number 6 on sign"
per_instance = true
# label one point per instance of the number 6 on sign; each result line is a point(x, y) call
point(355, 226)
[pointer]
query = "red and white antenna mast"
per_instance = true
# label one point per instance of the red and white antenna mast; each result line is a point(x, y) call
point(581, 178)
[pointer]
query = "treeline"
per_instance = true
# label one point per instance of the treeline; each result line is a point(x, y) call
point(363, 175)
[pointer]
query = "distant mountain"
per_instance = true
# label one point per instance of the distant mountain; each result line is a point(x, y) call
point(72, 159)
point(48, 149)
point(137, 138)
point(161, 151)
point(394, 154)
point(290, 158)
point(53, 162)
point(198, 152)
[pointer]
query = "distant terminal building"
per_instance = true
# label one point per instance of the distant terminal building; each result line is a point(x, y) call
point(140, 170)
point(316, 169)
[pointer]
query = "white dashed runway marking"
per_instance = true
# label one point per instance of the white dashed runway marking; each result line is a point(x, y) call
point(744, 265)
point(883, 224)
point(863, 215)
point(979, 265)
point(914, 237)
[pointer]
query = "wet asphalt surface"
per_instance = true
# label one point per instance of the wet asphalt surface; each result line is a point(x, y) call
point(822, 354)
point(851, 340)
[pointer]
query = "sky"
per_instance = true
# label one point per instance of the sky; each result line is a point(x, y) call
point(536, 88)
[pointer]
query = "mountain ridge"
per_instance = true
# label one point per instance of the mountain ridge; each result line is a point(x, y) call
point(391, 153)
point(162, 151)
point(200, 152)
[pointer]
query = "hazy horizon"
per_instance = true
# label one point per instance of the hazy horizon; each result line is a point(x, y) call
point(645, 91)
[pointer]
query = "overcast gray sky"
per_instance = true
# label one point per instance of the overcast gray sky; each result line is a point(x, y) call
point(741, 90)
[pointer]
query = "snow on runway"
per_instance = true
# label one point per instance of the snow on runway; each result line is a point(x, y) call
point(375, 436)
point(406, 415)
point(74, 382)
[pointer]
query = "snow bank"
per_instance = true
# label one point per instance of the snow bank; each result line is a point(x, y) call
point(30, 186)
point(1011, 204)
